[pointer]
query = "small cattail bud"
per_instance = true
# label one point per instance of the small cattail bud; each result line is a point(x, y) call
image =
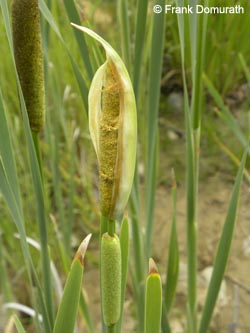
point(111, 278)
point(29, 59)
point(113, 129)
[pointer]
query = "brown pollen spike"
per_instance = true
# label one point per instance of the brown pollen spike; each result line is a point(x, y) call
point(108, 146)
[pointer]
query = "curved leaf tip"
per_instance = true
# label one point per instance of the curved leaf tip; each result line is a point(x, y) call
point(80, 253)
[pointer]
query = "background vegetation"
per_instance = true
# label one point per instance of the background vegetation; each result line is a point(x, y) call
point(162, 71)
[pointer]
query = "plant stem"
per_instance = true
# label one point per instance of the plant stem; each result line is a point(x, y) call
point(111, 227)
point(110, 329)
point(103, 225)
point(198, 27)
point(135, 216)
point(103, 229)
point(45, 258)
point(192, 269)
point(192, 237)
point(106, 225)
point(155, 70)
point(125, 32)
point(138, 255)
point(142, 6)
point(36, 142)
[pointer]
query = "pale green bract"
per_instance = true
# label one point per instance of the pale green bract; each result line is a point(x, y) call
point(126, 125)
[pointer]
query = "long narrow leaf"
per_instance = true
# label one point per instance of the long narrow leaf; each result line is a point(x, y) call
point(124, 242)
point(157, 45)
point(225, 114)
point(222, 253)
point(84, 308)
point(67, 312)
point(83, 305)
point(244, 66)
point(7, 192)
point(141, 20)
point(19, 325)
point(230, 154)
point(125, 32)
point(79, 78)
point(73, 16)
point(6, 153)
point(198, 23)
point(173, 259)
point(191, 184)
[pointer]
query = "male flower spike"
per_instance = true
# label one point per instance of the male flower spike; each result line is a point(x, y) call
point(113, 129)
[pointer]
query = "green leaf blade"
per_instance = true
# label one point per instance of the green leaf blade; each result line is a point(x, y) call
point(74, 16)
point(173, 260)
point(124, 243)
point(65, 320)
point(225, 113)
point(223, 251)
point(123, 10)
point(67, 312)
point(6, 153)
point(141, 20)
point(19, 325)
point(157, 47)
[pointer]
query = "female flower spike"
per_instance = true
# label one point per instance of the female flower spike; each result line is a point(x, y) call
point(29, 58)
point(113, 129)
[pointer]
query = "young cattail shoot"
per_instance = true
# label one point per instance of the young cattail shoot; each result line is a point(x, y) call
point(29, 59)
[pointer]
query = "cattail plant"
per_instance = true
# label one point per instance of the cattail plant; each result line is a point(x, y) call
point(113, 129)
point(29, 59)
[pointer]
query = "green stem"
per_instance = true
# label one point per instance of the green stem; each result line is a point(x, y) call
point(111, 227)
point(36, 142)
point(103, 229)
point(138, 255)
point(192, 281)
point(45, 257)
point(103, 225)
point(141, 20)
point(125, 32)
point(196, 111)
point(106, 225)
point(192, 239)
point(110, 329)
point(136, 228)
